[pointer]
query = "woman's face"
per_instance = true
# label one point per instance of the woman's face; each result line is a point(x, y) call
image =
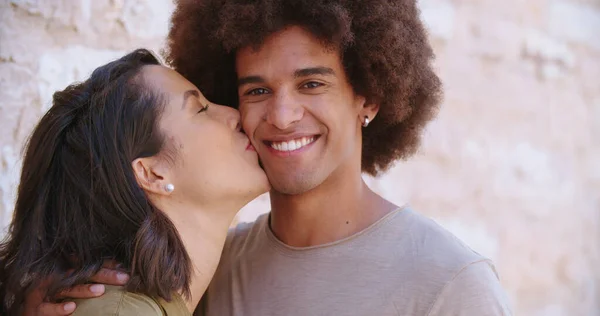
point(206, 157)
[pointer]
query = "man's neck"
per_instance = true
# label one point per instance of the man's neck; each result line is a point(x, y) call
point(341, 206)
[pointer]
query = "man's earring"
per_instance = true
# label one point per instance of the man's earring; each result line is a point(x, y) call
point(169, 187)
point(366, 122)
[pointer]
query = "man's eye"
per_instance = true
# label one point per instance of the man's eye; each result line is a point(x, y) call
point(312, 85)
point(258, 91)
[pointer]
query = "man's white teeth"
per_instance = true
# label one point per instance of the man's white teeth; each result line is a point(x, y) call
point(294, 144)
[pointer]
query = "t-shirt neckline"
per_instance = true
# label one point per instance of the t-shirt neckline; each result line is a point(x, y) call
point(292, 250)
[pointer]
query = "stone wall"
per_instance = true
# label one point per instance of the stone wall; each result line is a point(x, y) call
point(511, 165)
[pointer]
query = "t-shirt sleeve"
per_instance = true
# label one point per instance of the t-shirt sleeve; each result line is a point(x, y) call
point(474, 290)
point(118, 304)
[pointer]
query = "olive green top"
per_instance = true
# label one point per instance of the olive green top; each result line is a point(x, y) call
point(116, 301)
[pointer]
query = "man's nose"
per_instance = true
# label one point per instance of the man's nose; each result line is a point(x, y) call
point(284, 110)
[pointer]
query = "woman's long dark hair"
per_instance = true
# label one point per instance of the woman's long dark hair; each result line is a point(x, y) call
point(78, 201)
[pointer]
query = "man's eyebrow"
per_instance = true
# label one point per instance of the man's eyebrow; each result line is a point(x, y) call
point(250, 79)
point(188, 94)
point(305, 72)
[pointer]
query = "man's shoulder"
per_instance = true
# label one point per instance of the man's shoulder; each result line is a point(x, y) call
point(442, 269)
point(245, 234)
point(243, 230)
point(431, 245)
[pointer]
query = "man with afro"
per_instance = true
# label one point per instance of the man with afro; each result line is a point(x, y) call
point(328, 90)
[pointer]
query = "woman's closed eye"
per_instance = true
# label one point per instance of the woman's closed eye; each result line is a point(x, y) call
point(204, 108)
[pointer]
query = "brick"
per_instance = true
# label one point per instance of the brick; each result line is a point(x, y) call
point(575, 22)
point(540, 45)
point(438, 16)
point(147, 19)
point(9, 169)
point(61, 67)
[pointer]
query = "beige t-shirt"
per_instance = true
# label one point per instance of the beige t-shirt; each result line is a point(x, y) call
point(404, 264)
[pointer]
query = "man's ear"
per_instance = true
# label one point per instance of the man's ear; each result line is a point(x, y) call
point(370, 111)
point(367, 110)
point(150, 176)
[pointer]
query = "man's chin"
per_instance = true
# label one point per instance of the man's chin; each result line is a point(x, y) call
point(292, 186)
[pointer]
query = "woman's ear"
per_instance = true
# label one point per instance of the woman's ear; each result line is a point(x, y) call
point(150, 177)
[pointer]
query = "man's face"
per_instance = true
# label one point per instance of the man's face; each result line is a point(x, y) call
point(299, 110)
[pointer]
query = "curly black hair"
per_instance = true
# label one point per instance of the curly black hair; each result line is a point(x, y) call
point(383, 43)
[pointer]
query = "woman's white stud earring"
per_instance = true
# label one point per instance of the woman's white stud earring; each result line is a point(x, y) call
point(366, 122)
point(169, 187)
